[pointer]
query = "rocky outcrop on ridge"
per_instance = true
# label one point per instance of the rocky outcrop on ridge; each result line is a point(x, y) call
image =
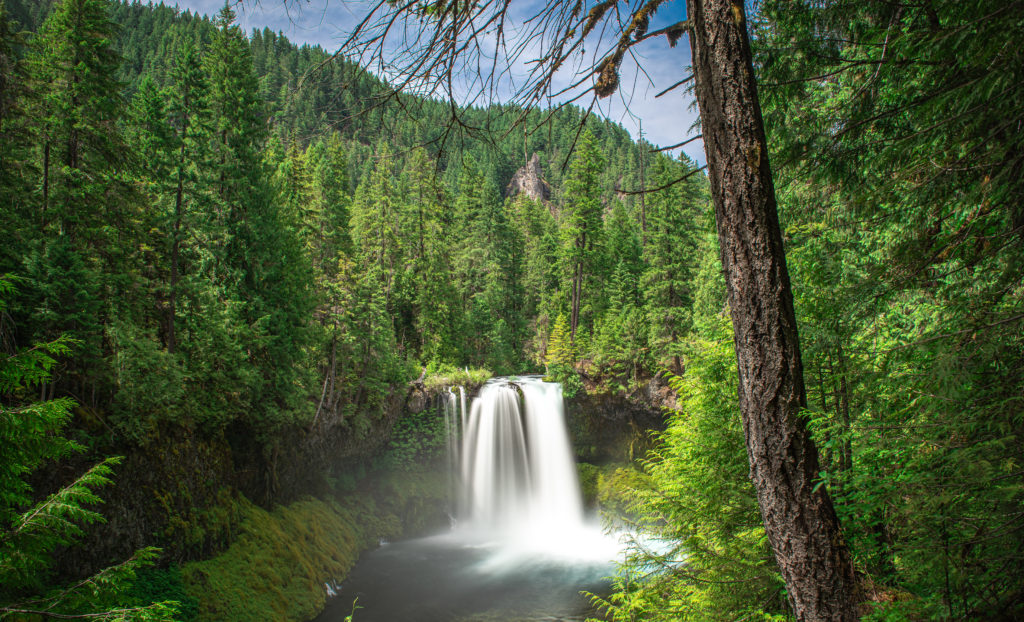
point(529, 180)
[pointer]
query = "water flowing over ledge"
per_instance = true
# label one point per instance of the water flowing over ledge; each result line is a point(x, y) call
point(520, 547)
point(516, 481)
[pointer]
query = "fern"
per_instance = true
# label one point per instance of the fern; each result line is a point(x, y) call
point(30, 433)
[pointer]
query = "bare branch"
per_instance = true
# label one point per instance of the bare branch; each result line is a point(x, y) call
point(664, 186)
point(676, 85)
point(677, 145)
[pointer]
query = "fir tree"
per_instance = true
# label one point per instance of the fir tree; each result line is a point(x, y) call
point(16, 208)
point(74, 64)
point(82, 187)
point(189, 116)
point(581, 230)
point(670, 257)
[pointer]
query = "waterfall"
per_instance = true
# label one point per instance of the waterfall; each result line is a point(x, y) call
point(555, 499)
point(453, 425)
point(516, 470)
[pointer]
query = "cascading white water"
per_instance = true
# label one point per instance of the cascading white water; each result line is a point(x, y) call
point(555, 499)
point(521, 547)
point(495, 467)
point(517, 476)
point(452, 421)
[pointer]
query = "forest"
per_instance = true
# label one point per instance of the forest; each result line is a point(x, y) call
point(229, 240)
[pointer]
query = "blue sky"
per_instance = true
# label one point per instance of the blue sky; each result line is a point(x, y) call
point(666, 120)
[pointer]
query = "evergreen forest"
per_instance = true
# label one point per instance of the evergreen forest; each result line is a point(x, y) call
point(227, 261)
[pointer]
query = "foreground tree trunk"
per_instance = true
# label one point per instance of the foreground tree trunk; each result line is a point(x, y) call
point(800, 521)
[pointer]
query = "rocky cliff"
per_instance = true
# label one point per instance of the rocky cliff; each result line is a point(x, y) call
point(529, 180)
point(614, 426)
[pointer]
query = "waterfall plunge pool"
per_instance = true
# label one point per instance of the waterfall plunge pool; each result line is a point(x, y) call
point(521, 549)
point(455, 577)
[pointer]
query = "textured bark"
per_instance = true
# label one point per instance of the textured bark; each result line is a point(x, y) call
point(800, 521)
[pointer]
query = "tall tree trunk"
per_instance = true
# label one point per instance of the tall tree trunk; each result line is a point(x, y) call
point(574, 311)
point(175, 252)
point(799, 519)
point(577, 287)
point(844, 412)
point(643, 187)
point(46, 180)
point(179, 197)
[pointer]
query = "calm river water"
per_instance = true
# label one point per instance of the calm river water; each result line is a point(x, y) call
point(450, 578)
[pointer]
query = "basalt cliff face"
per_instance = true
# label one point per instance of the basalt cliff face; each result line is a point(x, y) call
point(615, 426)
point(187, 491)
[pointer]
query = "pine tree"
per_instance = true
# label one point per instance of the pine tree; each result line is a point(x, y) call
point(74, 65)
point(256, 252)
point(538, 232)
point(335, 191)
point(82, 166)
point(438, 308)
point(16, 213)
point(560, 357)
point(376, 225)
point(237, 116)
point(189, 116)
point(559, 350)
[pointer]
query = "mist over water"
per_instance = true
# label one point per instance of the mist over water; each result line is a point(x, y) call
point(520, 546)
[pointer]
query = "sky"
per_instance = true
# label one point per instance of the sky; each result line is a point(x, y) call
point(666, 120)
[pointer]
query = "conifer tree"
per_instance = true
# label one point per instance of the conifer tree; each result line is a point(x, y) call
point(16, 209)
point(237, 115)
point(438, 309)
point(259, 259)
point(470, 252)
point(331, 171)
point(30, 530)
point(189, 116)
point(670, 258)
point(560, 357)
point(581, 229)
point(376, 222)
point(82, 186)
point(74, 66)
point(538, 235)
point(624, 257)
point(559, 350)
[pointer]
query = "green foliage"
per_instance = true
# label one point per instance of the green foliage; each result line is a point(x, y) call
point(560, 359)
point(444, 376)
point(897, 184)
point(416, 439)
point(609, 487)
point(165, 584)
point(670, 259)
point(268, 273)
point(701, 552)
point(560, 350)
point(581, 251)
point(277, 567)
point(31, 530)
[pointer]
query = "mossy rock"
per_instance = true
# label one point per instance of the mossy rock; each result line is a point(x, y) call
point(277, 566)
point(589, 475)
point(276, 569)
